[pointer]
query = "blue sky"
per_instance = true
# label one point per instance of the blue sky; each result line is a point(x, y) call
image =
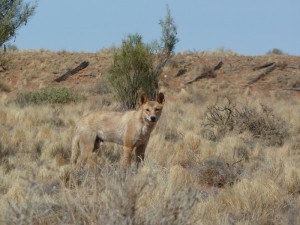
point(248, 27)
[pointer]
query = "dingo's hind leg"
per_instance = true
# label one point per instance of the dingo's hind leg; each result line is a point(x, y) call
point(97, 143)
point(87, 144)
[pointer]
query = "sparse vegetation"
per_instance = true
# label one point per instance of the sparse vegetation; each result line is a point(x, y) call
point(242, 170)
point(48, 96)
point(186, 180)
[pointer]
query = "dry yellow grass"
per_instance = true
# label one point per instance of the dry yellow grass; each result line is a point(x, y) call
point(188, 177)
point(185, 179)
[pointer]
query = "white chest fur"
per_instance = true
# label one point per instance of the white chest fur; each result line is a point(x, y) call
point(142, 134)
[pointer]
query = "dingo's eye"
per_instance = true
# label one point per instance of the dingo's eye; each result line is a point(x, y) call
point(148, 110)
point(157, 109)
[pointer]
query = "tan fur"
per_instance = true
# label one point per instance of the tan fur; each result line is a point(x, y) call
point(131, 129)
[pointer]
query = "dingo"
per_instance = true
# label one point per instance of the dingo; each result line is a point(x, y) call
point(131, 129)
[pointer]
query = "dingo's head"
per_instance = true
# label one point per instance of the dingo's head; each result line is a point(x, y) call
point(151, 110)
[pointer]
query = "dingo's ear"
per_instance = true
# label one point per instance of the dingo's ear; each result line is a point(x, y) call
point(160, 98)
point(143, 99)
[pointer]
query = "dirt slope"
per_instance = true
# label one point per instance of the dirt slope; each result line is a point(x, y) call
point(31, 70)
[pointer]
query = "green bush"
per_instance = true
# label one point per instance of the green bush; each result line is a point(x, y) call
point(48, 96)
point(275, 51)
point(132, 71)
point(136, 66)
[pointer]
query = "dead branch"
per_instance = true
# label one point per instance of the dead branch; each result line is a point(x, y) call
point(88, 75)
point(209, 73)
point(82, 65)
point(183, 70)
point(263, 66)
point(266, 71)
point(218, 66)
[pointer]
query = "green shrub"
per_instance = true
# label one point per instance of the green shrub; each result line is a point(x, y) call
point(132, 71)
point(136, 66)
point(48, 96)
point(275, 51)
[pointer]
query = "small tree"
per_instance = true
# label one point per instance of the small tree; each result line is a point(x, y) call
point(13, 15)
point(132, 70)
point(136, 67)
point(166, 47)
point(169, 37)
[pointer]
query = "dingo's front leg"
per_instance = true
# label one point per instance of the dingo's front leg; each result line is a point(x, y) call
point(127, 155)
point(140, 153)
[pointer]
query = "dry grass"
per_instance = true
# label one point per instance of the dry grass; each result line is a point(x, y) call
point(242, 170)
point(4, 87)
point(5, 59)
point(185, 179)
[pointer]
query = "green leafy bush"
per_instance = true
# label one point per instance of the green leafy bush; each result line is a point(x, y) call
point(48, 96)
point(136, 66)
point(132, 71)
